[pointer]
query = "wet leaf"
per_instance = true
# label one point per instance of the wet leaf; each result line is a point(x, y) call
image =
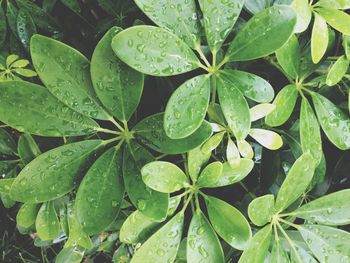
point(257, 248)
point(263, 34)
point(154, 51)
point(261, 209)
point(310, 135)
point(182, 117)
point(337, 71)
point(228, 176)
point(180, 16)
point(151, 203)
point(213, 142)
point(31, 108)
point(284, 102)
point(72, 255)
point(164, 177)
point(228, 222)
point(319, 39)
point(332, 209)
point(7, 144)
point(117, 85)
point(46, 223)
point(288, 57)
point(5, 185)
point(27, 214)
point(334, 122)
point(3, 27)
point(196, 159)
point(234, 107)
point(53, 173)
point(96, 210)
point(66, 74)
point(163, 245)
point(337, 19)
point(269, 139)
point(219, 18)
point(296, 182)
point(327, 243)
point(260, 111)
point(304, 14)
point(202, 243)
point(28, 150)
point(25, 27)
point(150, 132)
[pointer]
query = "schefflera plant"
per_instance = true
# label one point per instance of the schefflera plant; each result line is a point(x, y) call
point(169, 50)
point(77, 99)
point(297, 231)
point(161, 243)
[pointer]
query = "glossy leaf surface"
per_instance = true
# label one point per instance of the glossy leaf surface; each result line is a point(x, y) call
point(261, 209)
point(46, 223)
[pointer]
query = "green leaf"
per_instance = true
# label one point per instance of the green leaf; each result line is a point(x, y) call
point(327, 243)
point(213, 142)
point(76, 236)
point(27, 214)
point(136, 228)
point(28, 150)
point(22, 63)
point(257, 248)
point(31, 108)
point(8, 167)
point(182, 117)
point(228, 222)
point(53, 173)
point(261, 209)
point(310, 135)
point(219, 18)
point(96, 210)
point(278, 253)
point(251, 86)
point(42, 19)
point(332, 209)
point(3, 27)
point(25, 27)
point(288, 57)
point(228, 176)
point(25, 72)
point(7, 144)
point(46, 223)
point(164, 177)
point(71, 255)
point(284, 102)
point(261, 110)
point(337, 71)
point(232, 154)
point(336, 19)
point(154, 51)
point(234, 107)
point(118, 87)
point(150, 132)
point(72, 5)
point(196, 159)
point(213, 170)
point(337, 4)
point(319, 39)
point(179, 16)
point(263, 34)
point(304, 14)
point(334, 122)
point(65, 72)
point(163, 245)
point(269, 139)
point(5, 185)
point(296, 182)
point(151, 203)
point(202, 243)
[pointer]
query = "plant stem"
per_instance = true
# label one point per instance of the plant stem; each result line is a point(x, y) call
point(201, 54)
point(291, 243)
point(105, 142)
point(213, 95)
point(289, 223)
point(187, 202)
point(116, 124)
point(223, 62)
point(107, 131)
point(4, 126)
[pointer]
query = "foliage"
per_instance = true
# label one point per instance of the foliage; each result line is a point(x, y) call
point(107, 155)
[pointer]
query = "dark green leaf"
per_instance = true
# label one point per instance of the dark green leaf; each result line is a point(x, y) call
point(179, 16)
point(284, 102)
point(25, 27)
point(202, 243)
point(150, 132)
point(3, 26)
point(183, 117)
point(65, 72)
point(71, 255)
point(334, 122)
point(228, 222)
point(54, 173)
point(31, 108)
point(151, 203)
point(7, 144)
point(263, 34)
point(28, 150)
point(117, 86)
point(96, 210)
